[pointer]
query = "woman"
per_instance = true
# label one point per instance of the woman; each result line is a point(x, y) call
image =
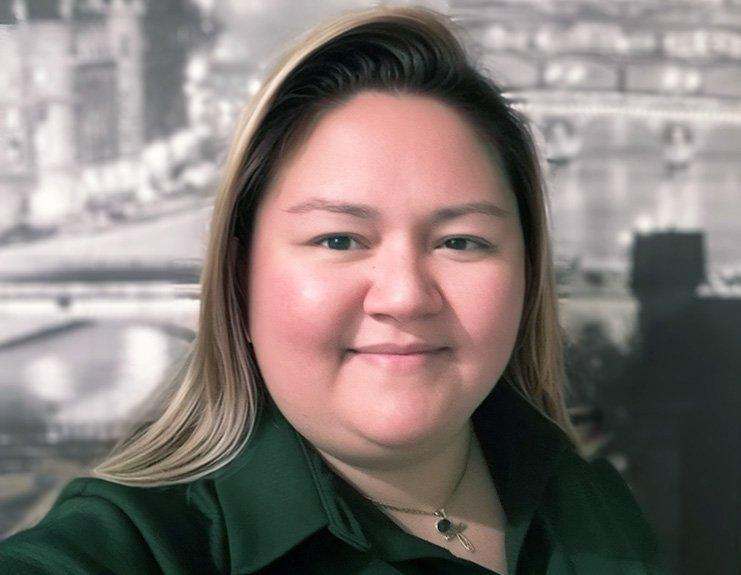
point(377, 382)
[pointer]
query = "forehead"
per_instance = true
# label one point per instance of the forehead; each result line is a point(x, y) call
point(417, 146)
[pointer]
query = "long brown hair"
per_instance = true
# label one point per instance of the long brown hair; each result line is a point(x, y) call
point(209, 411)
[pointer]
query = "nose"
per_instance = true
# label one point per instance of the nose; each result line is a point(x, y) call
point(403, 287)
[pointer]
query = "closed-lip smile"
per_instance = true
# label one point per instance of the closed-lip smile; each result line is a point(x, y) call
point(398, 349)
point(401, 359)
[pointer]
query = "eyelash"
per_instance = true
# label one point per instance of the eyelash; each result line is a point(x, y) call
point(482, 246)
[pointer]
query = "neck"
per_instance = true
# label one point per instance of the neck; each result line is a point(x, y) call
point(427, 482)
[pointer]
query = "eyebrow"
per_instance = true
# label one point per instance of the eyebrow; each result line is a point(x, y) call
point(366, 212)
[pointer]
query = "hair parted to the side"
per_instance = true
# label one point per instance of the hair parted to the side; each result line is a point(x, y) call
point(211, 408)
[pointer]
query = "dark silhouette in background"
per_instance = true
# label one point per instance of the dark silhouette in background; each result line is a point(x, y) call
point(682, 391)
point(669, 406)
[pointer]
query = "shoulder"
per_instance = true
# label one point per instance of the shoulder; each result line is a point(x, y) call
point(595, 511)
point(96, 525)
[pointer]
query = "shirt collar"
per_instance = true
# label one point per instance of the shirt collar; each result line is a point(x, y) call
point(522, 448)
point(269, 495)
point(277, 491)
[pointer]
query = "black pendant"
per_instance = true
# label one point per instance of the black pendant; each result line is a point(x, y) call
point(444, 525)
point(449, 530)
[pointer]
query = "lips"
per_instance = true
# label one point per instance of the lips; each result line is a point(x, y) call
point(401, 360)
point(398, 349)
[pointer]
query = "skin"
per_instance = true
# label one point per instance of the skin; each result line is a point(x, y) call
point(385, 422)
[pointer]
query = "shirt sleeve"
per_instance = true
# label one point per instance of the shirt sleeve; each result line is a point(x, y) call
point(81, 534)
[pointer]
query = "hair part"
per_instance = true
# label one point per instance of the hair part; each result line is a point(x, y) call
point(213, 403)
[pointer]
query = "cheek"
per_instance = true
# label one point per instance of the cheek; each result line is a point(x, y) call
point(295, 308)
point(491, 315)
point(297, 320)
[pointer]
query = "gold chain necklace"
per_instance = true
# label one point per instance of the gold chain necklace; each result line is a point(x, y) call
point(444, 525)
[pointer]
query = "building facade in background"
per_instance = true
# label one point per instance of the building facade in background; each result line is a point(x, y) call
point(73, 112)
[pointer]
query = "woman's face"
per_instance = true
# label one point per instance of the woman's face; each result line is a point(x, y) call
point(388, 231)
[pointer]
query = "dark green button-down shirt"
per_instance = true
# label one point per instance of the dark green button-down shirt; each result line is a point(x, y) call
point(278, 508)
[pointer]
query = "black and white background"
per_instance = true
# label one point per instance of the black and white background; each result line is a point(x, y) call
point(114, 119)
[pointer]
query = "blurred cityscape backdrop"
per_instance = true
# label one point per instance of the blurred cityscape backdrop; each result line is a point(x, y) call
point(114, 119)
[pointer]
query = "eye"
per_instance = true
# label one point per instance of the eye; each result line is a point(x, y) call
point(337, 242)
point(344, 242)
point(460, 243)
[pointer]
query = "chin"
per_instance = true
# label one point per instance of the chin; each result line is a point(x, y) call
point(398, 438)
point(401, 427)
